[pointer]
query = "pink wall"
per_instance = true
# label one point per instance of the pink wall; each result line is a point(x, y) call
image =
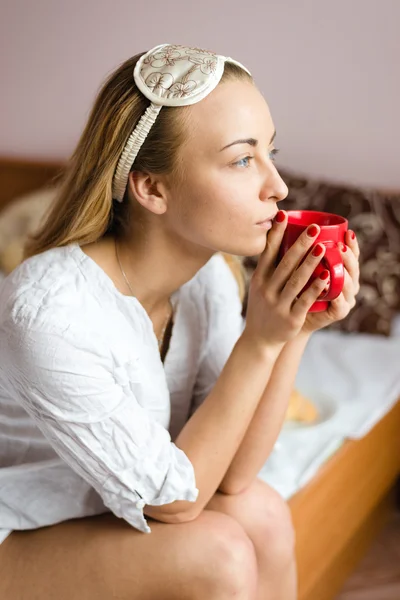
point(329, 70)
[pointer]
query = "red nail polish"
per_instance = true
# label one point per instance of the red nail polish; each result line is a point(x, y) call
point(353, 235)
point(324, 275)
point(312, 231)
point(280, 216)
point(318, 250)
point(344, 248)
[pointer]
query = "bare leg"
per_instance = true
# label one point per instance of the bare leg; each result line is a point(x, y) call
point(103, 557)
point(265, 517)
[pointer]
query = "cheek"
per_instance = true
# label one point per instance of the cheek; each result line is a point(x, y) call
point(218, 215)
point(190, 212)
point(217, 203)
point(217, 209)
point(224, 195)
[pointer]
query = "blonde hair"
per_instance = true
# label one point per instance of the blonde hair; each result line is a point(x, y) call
point(84, 210)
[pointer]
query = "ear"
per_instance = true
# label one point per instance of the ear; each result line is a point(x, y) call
point(149, 190)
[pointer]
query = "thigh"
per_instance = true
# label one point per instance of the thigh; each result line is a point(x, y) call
point(103, 557)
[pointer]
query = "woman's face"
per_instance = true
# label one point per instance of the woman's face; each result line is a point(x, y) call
point(228, 185)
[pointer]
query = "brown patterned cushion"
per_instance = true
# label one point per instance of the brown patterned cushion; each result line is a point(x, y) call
point(375, 218)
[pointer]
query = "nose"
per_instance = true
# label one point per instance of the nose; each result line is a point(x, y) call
point(274, 187)
point(282, 189)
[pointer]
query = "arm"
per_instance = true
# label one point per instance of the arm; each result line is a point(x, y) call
point(88, 400)
point(231, 379)
point(267, 421)
point(213, 435)
point(91, 412)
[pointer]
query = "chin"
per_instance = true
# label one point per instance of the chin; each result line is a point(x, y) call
point(247, 248)
point(255, 246)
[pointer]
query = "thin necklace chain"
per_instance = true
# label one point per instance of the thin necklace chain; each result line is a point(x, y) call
point(161, 338)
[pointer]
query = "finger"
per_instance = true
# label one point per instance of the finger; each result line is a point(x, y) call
point(339, 308)
point(351, 263)
point(293, 257)
point(348, 287)
point(302, 275)
point(352, 242)
point(348, 291)
point(342, 305)
point(304, 302)
point(267, 260)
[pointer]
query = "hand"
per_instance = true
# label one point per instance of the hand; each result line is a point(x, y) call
point(277, 307)
point(340, 307)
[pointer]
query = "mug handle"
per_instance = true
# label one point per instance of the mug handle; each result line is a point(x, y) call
point(335, 265)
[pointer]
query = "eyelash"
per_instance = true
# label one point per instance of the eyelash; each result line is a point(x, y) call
point(273, 153)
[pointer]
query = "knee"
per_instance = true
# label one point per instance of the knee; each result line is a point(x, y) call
point(228, 563)
point(275, 532)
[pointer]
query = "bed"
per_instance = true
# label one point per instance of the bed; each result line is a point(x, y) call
point(340, 509)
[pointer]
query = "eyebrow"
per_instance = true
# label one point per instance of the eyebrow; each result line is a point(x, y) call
point(250, 141)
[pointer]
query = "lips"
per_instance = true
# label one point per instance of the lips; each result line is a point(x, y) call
point(271, 218)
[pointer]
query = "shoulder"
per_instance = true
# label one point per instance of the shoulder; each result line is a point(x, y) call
point(49, 327)
point(61, 302)
point(49, 283)
point(56, 298)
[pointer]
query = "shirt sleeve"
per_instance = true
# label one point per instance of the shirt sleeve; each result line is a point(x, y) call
point(88, 412)
point(225, 326)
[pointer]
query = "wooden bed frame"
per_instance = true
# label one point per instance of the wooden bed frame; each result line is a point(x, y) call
point(337, 515)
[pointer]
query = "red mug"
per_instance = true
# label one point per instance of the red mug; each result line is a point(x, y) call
point(332, 234)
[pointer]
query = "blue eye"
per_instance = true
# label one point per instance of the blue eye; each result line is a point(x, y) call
point(246, 158)
point(245, 162)
point(273, 153)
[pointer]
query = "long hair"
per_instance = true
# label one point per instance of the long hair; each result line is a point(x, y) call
point(83, 210)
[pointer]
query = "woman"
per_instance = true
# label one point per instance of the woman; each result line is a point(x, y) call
point(136, 399)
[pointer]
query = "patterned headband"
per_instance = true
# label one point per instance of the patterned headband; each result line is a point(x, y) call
point(168, 75)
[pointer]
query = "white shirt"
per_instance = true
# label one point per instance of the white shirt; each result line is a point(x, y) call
point(88, 411)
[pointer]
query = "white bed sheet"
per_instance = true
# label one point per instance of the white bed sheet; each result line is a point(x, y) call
point(355, 378)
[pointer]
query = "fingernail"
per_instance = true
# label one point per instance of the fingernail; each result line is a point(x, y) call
point(280, 216)
point(318, 250)
point(353, 235)
point(344, 248)
point(312, 231)
point(324, 275)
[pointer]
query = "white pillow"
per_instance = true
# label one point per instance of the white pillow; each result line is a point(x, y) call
point(18, 219)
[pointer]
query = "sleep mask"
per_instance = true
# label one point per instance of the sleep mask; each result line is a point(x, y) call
point(168, 75)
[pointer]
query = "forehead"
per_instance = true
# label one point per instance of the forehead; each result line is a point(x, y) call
point(234, 108)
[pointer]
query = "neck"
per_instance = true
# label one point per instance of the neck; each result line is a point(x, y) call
point(155, 272)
